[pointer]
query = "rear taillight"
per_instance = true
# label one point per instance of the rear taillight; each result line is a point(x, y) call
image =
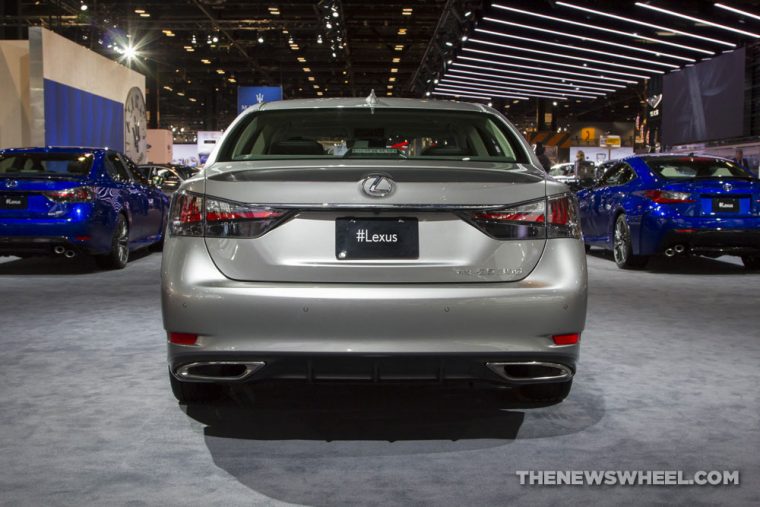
point(666, 196)
point(183, 338)
point(555, 217)
point(79, 194)
point(196, 215)
point(566, 339)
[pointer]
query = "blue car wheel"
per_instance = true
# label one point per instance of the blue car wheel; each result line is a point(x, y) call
point(118, 257)
point(622, 247)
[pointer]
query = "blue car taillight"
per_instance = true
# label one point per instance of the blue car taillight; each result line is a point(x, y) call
point(553, 217)
point(70, 195)
point(197, 215)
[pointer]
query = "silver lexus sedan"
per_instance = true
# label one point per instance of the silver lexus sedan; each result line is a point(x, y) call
point(375, 240)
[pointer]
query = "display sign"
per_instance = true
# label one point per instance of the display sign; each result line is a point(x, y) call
point(588, 134)
point(610, 141)
point(251, 95)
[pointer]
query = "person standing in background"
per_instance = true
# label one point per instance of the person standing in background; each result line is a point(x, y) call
point(745, 163)
point(541, 154)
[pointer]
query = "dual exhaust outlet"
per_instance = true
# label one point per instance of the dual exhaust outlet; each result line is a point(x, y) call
point(676, 250)
point(217, 371)
point(61, 250)
point(530, 372)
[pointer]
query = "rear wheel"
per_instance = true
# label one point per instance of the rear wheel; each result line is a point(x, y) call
point(554, 392)
point(622, 247)
point(751, 262)
point(119, 255)
point(194, 392)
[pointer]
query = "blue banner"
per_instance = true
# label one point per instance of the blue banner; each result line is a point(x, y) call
point(251, 95)
point(74, 117)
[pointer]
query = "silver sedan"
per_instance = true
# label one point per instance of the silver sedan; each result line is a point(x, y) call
point(373, 240)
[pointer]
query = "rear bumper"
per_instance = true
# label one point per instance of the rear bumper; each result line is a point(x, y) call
point(434, 331)
point(21, 245)
point(713, 241)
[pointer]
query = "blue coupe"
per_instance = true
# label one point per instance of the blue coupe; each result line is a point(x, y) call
point(674, 205)
point(70, 201)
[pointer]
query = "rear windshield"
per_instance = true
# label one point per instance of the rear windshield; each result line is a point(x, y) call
point(46, 164)
point(690, 168)
point(379, 134)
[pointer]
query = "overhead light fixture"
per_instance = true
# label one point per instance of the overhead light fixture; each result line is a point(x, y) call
point(519, 87)
point(402, 31)
point(168, 88)
point(220, 71)
point(391, 79)
point(646, 24)
point(399, 47)
point(601, 85)
point(301, 59)
point(697, 20)
point(588, 26)
point(499, 93)
point(83, 7)
point(232, 79)
point(737, 11)
point(394, 70)
point(319, 94)
point(489, 78)
point(260, 39)
point(181, 94)
point(602, 72)
point(191, 99)
point(406, 11)
point(578, 48)
point(144, 15)
point(457, 93)
point(306, 69)
point(487, 93)
point(139, 11)
point(130, 52)
point(396, 60)
point(589, 39)
point(206, 61)
point(311, 78)
point(562, 56)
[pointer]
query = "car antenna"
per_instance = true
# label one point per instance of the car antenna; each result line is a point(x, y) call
point(371, 101)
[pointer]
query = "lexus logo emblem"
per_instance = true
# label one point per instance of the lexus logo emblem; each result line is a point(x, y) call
point(11, 184)
point(377, 185)
point(727, 187)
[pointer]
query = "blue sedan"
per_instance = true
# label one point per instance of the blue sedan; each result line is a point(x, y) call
point(72, 201)
point(673, 205)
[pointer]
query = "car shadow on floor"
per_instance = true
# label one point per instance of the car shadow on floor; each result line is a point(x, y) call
point(684, 264)
point(369, 413)
point(321, 445)
point(58, 265)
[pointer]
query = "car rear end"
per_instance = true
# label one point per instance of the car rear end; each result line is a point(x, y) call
point(373, 262)
point(47, 201)
point(702, 205)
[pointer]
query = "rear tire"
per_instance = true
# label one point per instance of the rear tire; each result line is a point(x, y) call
point(751, 262)
point(622, 247)
point(554, 392)
point(194, 392)
point(118, 257)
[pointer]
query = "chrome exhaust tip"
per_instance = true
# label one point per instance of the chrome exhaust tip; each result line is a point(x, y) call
point(58, 250)
point(531, 371)
point(70, 254)
point(211, 371)
point(670, 252)
point(679, 249)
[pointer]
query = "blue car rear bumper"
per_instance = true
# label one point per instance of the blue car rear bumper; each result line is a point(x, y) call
point(702, 236)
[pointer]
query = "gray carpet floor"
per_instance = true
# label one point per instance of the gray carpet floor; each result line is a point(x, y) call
point(668, 380)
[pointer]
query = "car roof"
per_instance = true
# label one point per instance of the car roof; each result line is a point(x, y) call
point(53, 149)
point(645, 156)
point(364, 102)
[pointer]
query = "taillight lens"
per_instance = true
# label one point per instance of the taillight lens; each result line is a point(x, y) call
point(666, 196)
point(566, 339)
point(78, 194)
point(196, 215)
point(555, 217)
point(563, 216)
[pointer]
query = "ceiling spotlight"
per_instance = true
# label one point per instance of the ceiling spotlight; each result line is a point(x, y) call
point(328, 25)
point(260, 39)
point(464, 38)
point(335, 14)
point(319, 39)
point(83, 7)
point(129, 52)
point(215, 39)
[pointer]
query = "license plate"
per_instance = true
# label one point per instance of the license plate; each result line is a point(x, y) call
point(13, 202)
point(377, 238)
point(722, 205)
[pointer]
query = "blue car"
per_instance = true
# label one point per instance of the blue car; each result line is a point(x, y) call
point(673, 205)
point(77, 201)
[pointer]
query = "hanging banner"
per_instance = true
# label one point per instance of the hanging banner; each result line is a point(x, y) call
point(251, 95)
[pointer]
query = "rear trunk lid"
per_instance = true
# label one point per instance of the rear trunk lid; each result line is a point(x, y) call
point(722, 197)
point(328, 210)
point(25, 196)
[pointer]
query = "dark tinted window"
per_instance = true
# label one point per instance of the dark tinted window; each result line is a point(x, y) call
point(378, 134)
point(46, 164)
point(614, 176)
point(116, 168)
point(688, 168)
